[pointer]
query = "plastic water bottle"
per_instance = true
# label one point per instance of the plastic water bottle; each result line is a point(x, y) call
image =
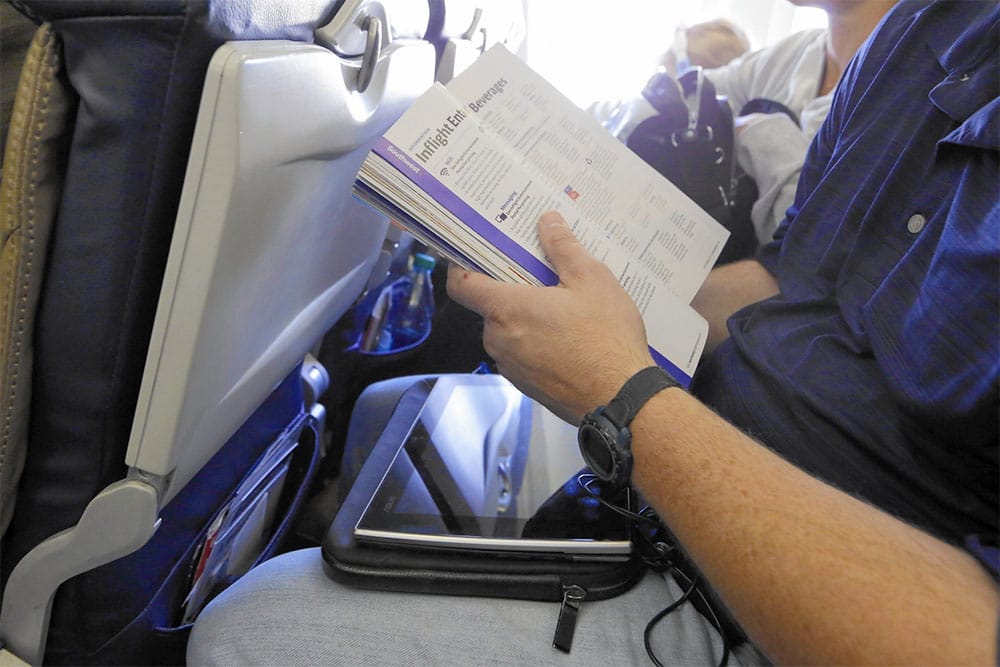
point(412, 304)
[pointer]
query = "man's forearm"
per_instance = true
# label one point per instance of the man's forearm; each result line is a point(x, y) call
point(726, 290)
point(813, 574)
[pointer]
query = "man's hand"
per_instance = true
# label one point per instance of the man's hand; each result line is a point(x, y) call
point(571, 347)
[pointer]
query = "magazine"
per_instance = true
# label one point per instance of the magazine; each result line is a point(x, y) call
point(470, 167)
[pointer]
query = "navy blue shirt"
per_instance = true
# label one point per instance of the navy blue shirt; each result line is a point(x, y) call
point(876, 367)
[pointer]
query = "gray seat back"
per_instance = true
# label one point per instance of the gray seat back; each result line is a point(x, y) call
point(267, 249)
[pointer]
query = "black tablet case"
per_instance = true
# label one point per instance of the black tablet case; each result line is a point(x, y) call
point(489, 574)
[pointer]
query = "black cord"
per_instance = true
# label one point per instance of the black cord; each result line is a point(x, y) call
point(659, 555)
point(659, 617)
point(714, 620)
point(692, 588)
point(588, 479)
point(656, 553)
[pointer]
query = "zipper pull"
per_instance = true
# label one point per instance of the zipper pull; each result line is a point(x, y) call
point(568, 611)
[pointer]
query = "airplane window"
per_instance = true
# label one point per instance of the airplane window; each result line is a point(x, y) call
point(594, 51)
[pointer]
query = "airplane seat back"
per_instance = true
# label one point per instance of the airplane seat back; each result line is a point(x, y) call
point(29, 195)
point(461, 30)
point(178, 235)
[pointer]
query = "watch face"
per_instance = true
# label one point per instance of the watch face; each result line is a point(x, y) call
point(595, 445)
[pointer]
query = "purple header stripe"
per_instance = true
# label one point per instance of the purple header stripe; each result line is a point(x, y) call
point(367, 196)
point(669, 367)
point(453, 203)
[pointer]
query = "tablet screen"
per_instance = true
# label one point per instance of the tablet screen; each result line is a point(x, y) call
point(484, 467)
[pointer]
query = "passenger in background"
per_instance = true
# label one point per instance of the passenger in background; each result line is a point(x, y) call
point(800, 73)
point(709, 44)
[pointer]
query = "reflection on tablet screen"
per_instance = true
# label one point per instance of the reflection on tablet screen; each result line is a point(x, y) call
point(483, 467)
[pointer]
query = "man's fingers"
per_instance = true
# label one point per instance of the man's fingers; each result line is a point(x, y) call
point(480, 293)
point(469, 288)
point(560, 245)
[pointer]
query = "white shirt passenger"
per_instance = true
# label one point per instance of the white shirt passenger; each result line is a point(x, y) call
point(772, 149)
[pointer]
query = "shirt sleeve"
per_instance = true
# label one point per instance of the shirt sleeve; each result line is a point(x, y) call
point(813, 166)
point(986, 551)
point(735, 80)
point(771, 150)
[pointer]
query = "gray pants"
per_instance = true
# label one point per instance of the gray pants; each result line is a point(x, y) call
point(288, 612)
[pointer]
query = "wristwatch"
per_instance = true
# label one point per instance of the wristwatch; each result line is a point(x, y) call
point(604, 436)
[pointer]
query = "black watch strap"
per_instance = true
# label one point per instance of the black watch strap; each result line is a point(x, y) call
point(635, 392)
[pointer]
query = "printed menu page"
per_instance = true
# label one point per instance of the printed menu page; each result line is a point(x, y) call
point(472, 166)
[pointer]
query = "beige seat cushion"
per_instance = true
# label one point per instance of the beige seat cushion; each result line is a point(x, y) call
point(16, 32)
point(29, 199)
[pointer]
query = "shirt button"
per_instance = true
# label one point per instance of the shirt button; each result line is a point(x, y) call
point(915, 223)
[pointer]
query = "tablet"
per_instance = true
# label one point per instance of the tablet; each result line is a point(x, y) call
point(485, 468)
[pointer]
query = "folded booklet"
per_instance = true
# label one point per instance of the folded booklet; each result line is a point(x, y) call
point(471, 166)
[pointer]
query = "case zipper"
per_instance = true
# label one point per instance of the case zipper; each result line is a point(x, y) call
point(568, 611)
